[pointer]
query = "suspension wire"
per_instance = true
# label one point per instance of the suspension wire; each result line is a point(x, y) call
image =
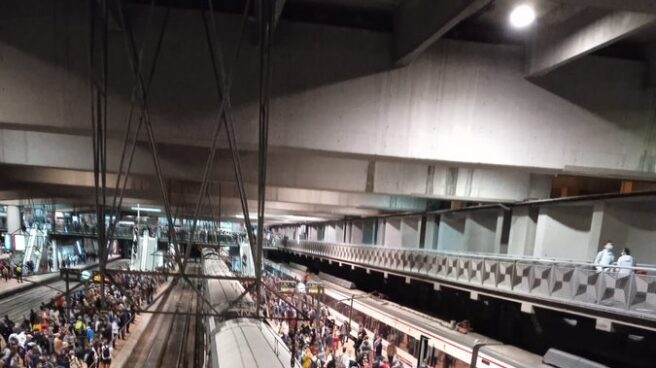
point(98, 92)
point(133, 58)
point(266, 44)
point(212, 152)
point(128, 127)
point(160, 39)
point(220, 81)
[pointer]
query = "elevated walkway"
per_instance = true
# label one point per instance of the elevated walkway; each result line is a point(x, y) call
point(625, 296)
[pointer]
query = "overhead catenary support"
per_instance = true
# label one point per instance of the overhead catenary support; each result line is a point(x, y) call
point(122, 178)
point(133, 61)
point(209, 164)
point(98, 80)
point(419, 23)
point(266, 23)
point(553, 47)
point(220, 80)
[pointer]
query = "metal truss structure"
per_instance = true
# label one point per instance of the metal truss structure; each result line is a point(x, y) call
point(101, 12)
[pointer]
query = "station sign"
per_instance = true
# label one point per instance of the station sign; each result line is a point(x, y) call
point(287, 287)
point(313, 288)
point(97, 278)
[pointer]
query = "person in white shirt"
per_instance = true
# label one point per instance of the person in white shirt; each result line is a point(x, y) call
point(345, 359)
point(605, 257)
point(626, 260)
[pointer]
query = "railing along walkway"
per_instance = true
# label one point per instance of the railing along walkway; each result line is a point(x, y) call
point(628, 291)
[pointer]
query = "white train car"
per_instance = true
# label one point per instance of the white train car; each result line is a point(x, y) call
point(409, 328)
point(237, 342)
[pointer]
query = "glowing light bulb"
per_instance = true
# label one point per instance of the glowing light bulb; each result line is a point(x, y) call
point(522, 16)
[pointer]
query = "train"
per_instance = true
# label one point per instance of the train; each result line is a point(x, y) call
point(415, 333)
point(233, 340)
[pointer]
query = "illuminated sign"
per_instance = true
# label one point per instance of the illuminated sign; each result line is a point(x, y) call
point(86, 275)
point(313, 288)
point(287, 287)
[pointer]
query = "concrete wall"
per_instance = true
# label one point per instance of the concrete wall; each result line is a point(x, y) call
point(393, 232)
point(432, 232)
point(454, 104)
point(480, 232)
point(631, 225)
point(410, 231)
point(356, 232)
point(564, 232)
point(369, 231)
point(451, 235)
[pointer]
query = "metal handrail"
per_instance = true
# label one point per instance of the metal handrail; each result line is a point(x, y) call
point(578, 284)
point(486, 256)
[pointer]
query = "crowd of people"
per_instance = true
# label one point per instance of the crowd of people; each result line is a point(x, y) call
point(9, 270)
point(79, 332)
point(320, 341)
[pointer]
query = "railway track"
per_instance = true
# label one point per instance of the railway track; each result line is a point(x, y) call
point(18, 305)
point(171, 340)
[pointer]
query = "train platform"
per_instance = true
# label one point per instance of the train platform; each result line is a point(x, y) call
point(408, 326)
point(142, 322)
point(12, 286)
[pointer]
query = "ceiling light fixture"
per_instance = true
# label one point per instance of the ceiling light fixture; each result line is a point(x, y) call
point(146, 209)
point(522, 16)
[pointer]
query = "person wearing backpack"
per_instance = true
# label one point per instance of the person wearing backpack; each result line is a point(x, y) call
point(105, 355)
point(91, 357)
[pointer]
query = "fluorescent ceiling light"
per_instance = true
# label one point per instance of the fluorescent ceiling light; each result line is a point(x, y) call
point(522, 16)
point(146, 209)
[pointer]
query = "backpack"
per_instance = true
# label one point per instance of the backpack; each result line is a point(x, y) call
point(90, 357)
point(105, 352)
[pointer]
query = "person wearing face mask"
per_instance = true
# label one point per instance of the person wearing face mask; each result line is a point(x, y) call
point(626, 260)
point(605, 257)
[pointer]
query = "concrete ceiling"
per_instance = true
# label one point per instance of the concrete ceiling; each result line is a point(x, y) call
point(353, 134)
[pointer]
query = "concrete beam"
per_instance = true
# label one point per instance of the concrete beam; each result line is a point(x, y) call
point(32, 181)
point(580, 36)
point(419, 23)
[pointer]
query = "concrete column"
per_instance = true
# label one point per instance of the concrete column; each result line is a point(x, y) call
point(356, 232)
point(498, 234)
point(312, 233)
point(410, 227)
point(13, 219)
point(329, 233)
point(451, 233)
point(380, 236)
point(393, 232)
point(339, 232)
point(595, 241)
point(522, 231)
point(432, 232)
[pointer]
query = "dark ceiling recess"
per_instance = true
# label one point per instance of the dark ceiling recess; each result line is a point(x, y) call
point(339, 15)
point(334, 14)
point(226, 6)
